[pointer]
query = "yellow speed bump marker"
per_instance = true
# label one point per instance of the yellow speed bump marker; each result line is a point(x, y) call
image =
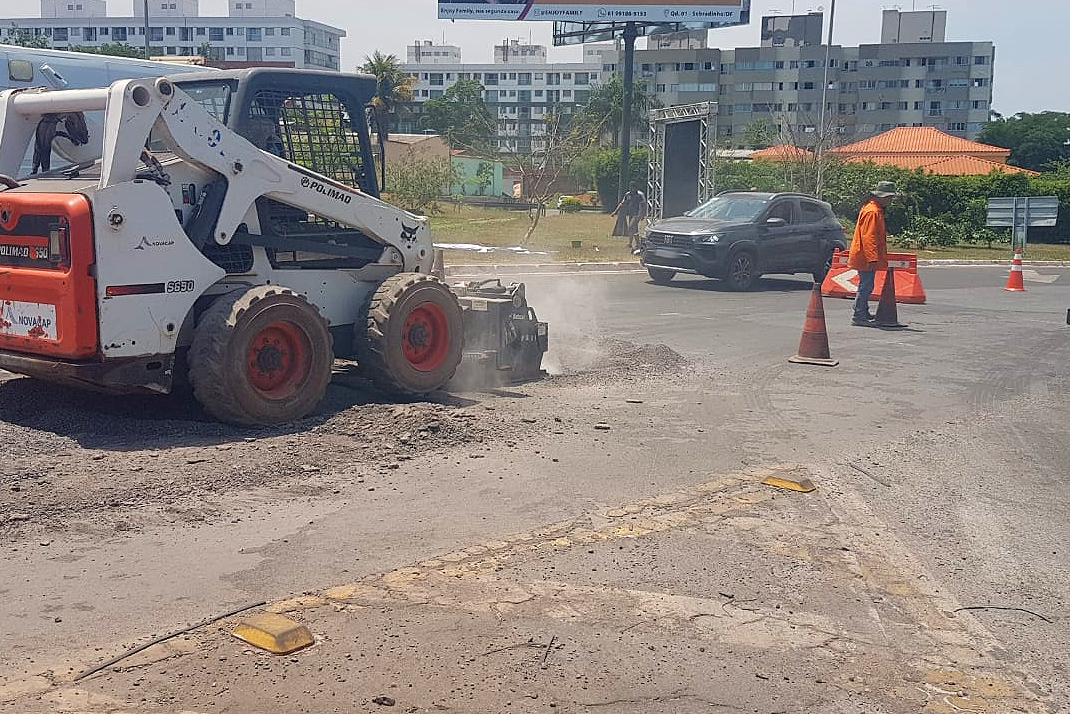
point(273, 633)
point(802, 485)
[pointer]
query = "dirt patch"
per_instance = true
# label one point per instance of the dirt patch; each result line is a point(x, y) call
point(94, 457)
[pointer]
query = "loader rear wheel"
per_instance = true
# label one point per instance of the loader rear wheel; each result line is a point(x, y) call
point(411, 334)
point(260, 356)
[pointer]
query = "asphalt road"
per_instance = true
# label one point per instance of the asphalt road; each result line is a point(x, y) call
point(939, 448)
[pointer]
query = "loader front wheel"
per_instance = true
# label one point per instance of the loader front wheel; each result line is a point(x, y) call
point(260, 356)
point(411, 333)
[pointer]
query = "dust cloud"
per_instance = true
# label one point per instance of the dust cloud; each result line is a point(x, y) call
point(572, 310)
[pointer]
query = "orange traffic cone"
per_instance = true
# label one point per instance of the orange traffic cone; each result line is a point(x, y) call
point(887, 313)
point(1015, 281)
point(814, 345)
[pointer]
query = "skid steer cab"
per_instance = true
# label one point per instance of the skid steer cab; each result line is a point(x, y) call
point(231, 234)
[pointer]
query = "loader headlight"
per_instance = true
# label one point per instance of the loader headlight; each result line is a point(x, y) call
point(708, 240)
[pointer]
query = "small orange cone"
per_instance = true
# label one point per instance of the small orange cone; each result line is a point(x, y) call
point(1015, 282)
point(887, 313)
point(814, 345)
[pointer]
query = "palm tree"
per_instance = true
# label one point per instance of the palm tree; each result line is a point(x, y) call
point(393, 86)
point(606, 106)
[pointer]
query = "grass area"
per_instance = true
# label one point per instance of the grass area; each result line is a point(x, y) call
point(1033, 251)
point(554, 235)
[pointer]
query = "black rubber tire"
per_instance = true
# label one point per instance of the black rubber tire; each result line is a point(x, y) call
point(379, 337)
point(218, 369)
point(742, 273)
point(661, 276)
point(819, 275)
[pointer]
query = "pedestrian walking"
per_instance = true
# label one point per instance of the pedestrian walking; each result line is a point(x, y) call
point(629, 212)
point(869, 249)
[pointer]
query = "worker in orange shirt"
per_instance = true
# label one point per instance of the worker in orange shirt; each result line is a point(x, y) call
point(869, 249)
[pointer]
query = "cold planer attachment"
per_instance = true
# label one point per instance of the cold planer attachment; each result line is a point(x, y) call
point(504, 342)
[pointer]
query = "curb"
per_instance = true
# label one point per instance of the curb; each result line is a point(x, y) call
point(518, 268)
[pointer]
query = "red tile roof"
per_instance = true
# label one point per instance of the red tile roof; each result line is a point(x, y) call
point(920, 140)
point(943, 165)
point(780, 152)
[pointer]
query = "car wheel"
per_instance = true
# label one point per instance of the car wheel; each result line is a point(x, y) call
point(661, 276)
point(742, 271)
point(819, 275)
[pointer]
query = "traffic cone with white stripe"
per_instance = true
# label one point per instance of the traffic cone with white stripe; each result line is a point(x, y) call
point(1015, 281)
point(814, 345)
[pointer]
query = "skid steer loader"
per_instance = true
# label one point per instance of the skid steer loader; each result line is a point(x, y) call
point(231, 233)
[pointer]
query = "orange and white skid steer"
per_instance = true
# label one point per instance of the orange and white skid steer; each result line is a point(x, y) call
point(231, 233)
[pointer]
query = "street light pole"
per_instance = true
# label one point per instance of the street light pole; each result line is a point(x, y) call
point(821, 137)
point(147, 56)
point(630, 34)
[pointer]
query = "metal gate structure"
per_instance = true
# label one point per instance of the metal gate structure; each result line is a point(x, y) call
point(705, 113)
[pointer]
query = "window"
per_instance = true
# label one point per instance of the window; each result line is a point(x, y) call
point(689, 66)
point(284, 31)
point(59, 34)
point(958, 82)
point(903, 106)
point(200, 32)
point(793, 64)
point(935, 109)
point(918, 106)
point(538, 92)
point(779, 64)
point(980, 104)
point(252, 34)
point(269, 31)
point(660, 88)
point(436, 79)
point(956, 126)
point(582, 78)
point(490, 80)
point(553, 78)
point(156, 34)
point(783, 210)
point(980, 59)
point(808, 85)
point(90, 34)
point(979, 82)
point(215, 34)
point(269, 51)
point(811, 212)
point(169, 31)
point(230, 51)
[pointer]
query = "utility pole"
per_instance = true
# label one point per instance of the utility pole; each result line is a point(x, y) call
point(630, 34)
point(147, 55)
point(821, 128)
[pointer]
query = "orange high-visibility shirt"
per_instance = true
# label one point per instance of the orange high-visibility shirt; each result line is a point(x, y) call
point(869, 249)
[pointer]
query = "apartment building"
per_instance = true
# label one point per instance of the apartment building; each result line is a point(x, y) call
point(256, 31)
point(520, 86)
point(915, 78)
point(925, 81)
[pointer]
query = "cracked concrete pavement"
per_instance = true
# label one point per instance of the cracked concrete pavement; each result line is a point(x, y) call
point(643, 568)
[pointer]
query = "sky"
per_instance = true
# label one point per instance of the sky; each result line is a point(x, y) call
point(1030, 35)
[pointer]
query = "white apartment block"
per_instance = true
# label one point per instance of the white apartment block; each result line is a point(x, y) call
point(255, 31)
point(520, 87)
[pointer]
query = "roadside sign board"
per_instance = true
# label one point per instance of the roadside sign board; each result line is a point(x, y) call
point(670, 11)
point(1021, 213)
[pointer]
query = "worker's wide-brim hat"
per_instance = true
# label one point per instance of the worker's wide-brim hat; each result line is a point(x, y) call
point(885, 189)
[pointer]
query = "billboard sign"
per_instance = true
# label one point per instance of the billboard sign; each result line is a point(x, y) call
point(717, 12)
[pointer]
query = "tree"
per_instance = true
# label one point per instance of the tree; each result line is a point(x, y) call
point(21, 37)
point(606, 106)
point(1035, 140)
point(461, 116)
point(484, 176)
point(114, 49)
point(393, 86)
point(559, 139)
point(417, 182)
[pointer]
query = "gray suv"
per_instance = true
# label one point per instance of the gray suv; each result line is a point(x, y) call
point(740, 236)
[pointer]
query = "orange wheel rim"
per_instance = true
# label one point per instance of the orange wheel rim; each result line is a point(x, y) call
point(279, 359)
point(426, 337)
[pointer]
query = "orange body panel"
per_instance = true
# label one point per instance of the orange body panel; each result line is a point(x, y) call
point(29, 276)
